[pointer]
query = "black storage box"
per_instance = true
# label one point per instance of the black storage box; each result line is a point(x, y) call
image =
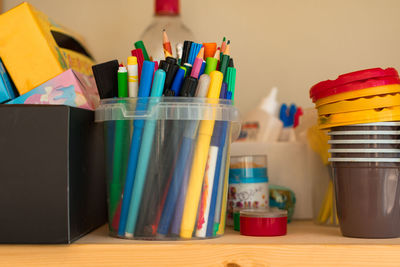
point(52, 177)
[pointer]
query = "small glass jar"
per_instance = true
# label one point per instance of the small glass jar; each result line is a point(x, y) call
point(248, 184)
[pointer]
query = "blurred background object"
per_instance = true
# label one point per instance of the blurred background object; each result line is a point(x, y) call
point(289, 44)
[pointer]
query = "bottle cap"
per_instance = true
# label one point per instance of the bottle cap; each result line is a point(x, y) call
point(167, 7)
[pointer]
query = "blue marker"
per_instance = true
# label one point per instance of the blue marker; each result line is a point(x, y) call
point(144, 155)
point(178, 81)
point(144, 91)
point(194, 50)
point(202, 69)
point(174, 202)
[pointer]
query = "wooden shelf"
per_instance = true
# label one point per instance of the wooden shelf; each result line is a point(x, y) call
point(305, 245)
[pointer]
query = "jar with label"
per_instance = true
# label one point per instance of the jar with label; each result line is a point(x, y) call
point(248, 184)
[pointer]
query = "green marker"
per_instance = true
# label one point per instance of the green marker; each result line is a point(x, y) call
point(140, 44)
point(211, 65)
point(120, 150)
point(122, 82)
point(231, 80)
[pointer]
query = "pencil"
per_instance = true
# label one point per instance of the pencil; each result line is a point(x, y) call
point(166, 45)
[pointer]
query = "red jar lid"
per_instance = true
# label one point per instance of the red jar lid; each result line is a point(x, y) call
point(263, 222)
point(349, 78)
point(357, 85)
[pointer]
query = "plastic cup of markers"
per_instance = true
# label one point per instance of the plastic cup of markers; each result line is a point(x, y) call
point(150, 143)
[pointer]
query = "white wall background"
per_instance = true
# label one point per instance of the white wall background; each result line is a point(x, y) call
point(291, 44)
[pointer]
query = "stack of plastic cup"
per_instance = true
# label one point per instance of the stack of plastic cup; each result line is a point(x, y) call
point(362, 112)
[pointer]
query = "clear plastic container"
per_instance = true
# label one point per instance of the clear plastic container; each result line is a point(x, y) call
point(166, 165)
point(248, 184)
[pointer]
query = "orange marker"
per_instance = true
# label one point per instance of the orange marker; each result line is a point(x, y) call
point(166, 45)
point(209, 49)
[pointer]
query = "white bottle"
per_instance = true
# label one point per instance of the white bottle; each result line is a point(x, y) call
point(166, 17)
point(266, 127)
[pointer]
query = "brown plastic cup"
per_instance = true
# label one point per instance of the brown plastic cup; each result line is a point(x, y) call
point(364, 134)
point(368, 198)
point(393, 126)
point(366, 146)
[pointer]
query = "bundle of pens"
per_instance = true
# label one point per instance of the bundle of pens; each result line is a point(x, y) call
point(167, 139)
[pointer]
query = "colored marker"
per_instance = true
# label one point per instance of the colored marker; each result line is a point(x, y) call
point(179, 50)
point(174, 202)
point(118, 154)
point(199, 162)
point(144, 91)
point(203, 68)
point(210, 183)
point(209, 49)
point(231, 80)
point(122, 81)
point(219, 218)
point(140, 59)
point(211, 65)
point(173, 69)
point(178, 81)
point(166, 45)
point(140, 45)
point(194, 50)
point(133, 76)
point(144, 155)
point(185, 53)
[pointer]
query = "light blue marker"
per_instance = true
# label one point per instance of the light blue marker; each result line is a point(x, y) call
point(144, 91)
point(144, 155)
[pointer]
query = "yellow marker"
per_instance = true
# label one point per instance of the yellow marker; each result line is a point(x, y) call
point(199, 162)
point(221, 226)
point(371, 91)
point(133, 81)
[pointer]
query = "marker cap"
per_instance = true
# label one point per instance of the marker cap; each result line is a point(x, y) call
point(173, 69)
point(185, 52)
point(164, 65)
point(211, 65)
point(189, 87)
point(132, 60)
point(202, 86)
point(140, 44)
point(171, 60)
